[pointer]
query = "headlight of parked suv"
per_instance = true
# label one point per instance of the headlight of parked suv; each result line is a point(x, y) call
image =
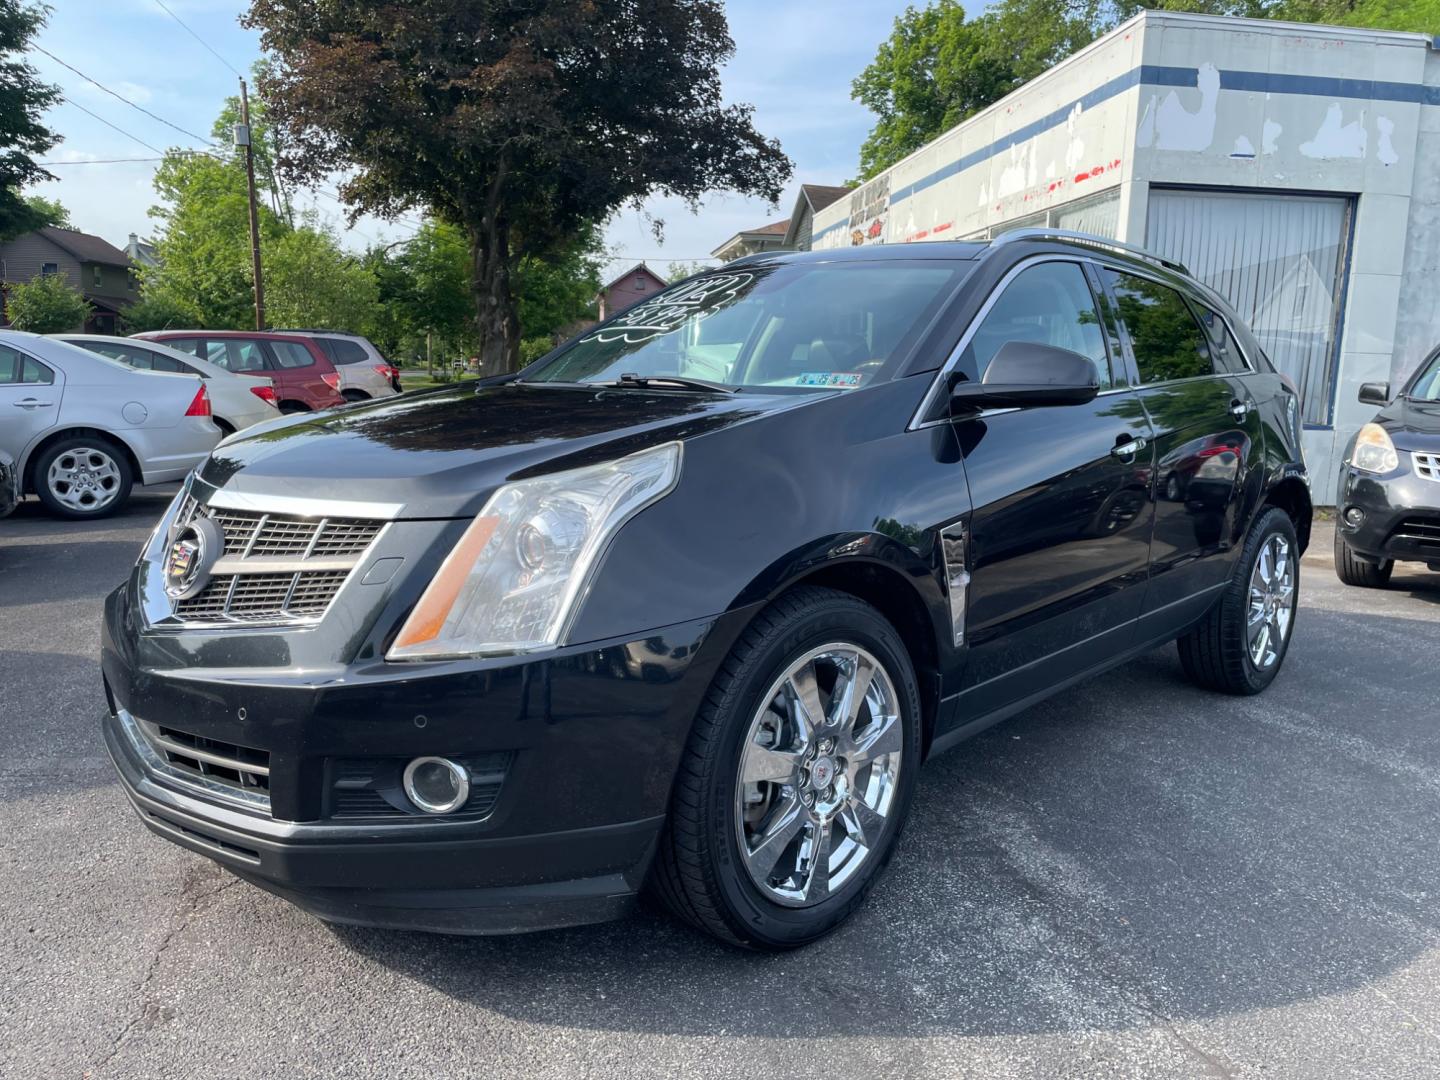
point(515, 578)
point(1374, 452)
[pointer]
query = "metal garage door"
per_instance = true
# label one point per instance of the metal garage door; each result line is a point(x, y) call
point(1279, 259)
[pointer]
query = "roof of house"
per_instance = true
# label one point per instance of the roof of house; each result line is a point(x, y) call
point(822, 195)
point(775, 228)
point(85, 247)
point(638, 266)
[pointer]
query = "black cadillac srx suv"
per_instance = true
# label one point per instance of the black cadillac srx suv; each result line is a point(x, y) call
point(685, 605)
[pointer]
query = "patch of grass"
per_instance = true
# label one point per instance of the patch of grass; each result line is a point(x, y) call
point(419, 379)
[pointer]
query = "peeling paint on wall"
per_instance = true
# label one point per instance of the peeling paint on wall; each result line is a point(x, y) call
point(1337, 139)
point(1244, 148)
point(1385, 148)
point(1269, 136)
point(1075, 148)
point(1174, 126)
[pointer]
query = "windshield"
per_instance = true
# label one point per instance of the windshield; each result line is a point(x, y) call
point(1427, 384)
point(820, 326)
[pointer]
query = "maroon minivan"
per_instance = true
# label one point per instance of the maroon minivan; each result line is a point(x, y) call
point(304, 377)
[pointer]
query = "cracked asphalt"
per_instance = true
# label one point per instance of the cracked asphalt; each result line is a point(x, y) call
point(1135, 879)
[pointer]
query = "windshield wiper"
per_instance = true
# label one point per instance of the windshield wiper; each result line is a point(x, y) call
point(683, 382)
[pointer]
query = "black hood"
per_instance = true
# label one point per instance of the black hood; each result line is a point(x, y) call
point(440, 453)
point(1412, 424)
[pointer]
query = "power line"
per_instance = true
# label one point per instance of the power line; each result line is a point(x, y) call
point(99, 161)
point(198, 38)
point(117, 127)
point(121, 97)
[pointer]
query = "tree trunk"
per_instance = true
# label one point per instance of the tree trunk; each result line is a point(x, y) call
point(496, 322)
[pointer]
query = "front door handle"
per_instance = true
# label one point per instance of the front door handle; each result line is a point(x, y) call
point(1239, 409)
point(30, 403)
point(1125, 449)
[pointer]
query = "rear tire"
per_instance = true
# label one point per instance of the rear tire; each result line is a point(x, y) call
point(1353, 570)
point(82, 477)
point(1240, 645)
point(759, 784)
point(354, 395)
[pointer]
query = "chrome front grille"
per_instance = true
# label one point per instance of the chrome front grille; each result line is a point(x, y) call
point(276, 569)
point(1427, 466)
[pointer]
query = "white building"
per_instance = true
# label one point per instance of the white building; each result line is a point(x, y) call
point(1295, 168)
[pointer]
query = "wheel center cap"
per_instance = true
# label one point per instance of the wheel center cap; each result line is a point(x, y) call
point(822, 772)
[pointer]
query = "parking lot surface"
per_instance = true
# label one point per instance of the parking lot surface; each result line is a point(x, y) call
point(1135, 879)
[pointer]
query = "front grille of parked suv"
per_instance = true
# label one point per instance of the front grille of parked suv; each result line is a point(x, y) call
point(276, 568)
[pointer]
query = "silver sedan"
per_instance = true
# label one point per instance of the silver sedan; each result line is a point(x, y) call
point(82, 429)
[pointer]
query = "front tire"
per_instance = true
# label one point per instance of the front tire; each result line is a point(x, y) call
point(797, 777)
point(82, 477)
point(1239, 646)
point(1353, 570)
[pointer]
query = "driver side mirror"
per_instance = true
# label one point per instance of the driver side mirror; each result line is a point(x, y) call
point(1375, 393)
point(1026, 373)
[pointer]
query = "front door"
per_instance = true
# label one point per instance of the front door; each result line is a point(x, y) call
point(1207, 442)
point(1060, 531)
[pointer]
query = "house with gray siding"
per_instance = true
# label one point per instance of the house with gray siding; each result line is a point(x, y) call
point(102, 272)
point(810, 201)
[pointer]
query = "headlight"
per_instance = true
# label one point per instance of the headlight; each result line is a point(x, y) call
point(1374, 452)
point(515, 578)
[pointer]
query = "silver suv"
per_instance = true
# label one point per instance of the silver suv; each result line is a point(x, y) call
point(364, 371)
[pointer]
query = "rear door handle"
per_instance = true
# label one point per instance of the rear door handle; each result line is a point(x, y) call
point(30, 403)
point(1239, 409)
point(1125, 449)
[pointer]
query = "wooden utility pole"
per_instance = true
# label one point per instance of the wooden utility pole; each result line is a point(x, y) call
point(242, 138)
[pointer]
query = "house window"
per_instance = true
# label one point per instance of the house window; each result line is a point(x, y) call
point(130, 280)
point(98, 275)
point(48, 269)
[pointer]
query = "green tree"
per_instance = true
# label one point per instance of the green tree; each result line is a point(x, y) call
point(553, 293)
point(23, 134)
point(678, 271)
point(49, 211)
point(519, 123)
point(46, 305)
point(202, 240)
point(155, 310)
point(311, 281)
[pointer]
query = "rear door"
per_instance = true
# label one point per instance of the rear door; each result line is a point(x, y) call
point(1059, 536)
point(302, 375)
point(1207, 442)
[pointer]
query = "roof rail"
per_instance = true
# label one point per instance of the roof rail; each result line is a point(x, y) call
point(1075, 237)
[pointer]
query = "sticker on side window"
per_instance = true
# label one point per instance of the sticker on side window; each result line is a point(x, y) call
point(840, 380)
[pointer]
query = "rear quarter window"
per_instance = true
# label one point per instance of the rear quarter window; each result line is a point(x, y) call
point(344, 351)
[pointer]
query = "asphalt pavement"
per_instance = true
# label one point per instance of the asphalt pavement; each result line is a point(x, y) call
point(1137, 878)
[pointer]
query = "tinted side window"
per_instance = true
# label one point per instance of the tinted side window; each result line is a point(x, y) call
point(1168, 342)
point(1049, 304)
point(344, 351)
point(18, 368)
point(161, 362)
point(291, 354)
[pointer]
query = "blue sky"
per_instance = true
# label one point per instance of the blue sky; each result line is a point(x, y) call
point(794, 62)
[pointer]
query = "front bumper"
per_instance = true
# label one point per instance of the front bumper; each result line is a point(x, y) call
point(593, 736)
point(1401, 514)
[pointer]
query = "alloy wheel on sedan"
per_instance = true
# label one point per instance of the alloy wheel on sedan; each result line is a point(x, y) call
point(818, 774)
point(85, 479)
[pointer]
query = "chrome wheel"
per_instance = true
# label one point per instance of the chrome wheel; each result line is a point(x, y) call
point(84, 479)
point(1272, 602)
point(818, 774)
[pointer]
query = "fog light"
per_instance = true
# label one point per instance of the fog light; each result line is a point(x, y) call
point(436, 785)
point(1354, 516)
